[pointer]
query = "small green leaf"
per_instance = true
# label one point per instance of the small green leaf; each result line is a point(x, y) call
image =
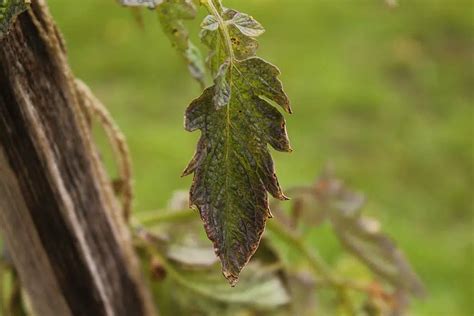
point(247, 25)
point(243, 46)
point(210, 23)
point(9, 10)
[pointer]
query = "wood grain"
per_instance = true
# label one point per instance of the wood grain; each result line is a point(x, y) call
point(73, 256)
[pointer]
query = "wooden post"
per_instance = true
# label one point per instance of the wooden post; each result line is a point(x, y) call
point(58, 216)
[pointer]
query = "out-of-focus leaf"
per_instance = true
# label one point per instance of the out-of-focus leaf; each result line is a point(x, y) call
point(258, 288)
point(302, 211)
point(261, 293)
point(151, 4)
point(192, 256)
point(303, 294)
point(171, 14)
point(261, 289)
point(191, 268)
point(362, 236)
point(9, 10)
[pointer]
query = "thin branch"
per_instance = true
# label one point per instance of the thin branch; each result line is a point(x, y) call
point(117, 141)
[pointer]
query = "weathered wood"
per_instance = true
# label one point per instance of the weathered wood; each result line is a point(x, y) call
point(73, 255)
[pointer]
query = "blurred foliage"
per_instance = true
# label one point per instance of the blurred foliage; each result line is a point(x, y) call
point(383, 92)
point(179, 259)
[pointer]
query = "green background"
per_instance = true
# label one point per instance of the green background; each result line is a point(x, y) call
point(385, 95)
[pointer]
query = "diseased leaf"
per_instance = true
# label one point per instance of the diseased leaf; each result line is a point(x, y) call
point(362, 236)
point(9, 10)
point(191, 268)
point(233, 169)
point(171, 14)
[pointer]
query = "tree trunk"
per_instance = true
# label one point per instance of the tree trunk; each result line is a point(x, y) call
point(58, 216)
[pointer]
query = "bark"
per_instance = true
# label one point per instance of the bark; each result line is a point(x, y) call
point(58, 216)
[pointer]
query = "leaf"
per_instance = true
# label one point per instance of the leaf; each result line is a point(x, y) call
point(9, 10)
point(191, 270)
point(210, 23)
point(171, 14)
point(192, 256)
point(247, 25)
point(233, 169)
point(259, 288)
point(362, 236)
point(243, 44)
point(261, 292)
point(151, 4)
point(222, 86)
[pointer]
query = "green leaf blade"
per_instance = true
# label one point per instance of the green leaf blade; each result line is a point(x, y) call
point(247, 25)
point(233, 169)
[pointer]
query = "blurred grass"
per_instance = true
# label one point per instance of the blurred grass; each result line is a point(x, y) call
point(386, 95)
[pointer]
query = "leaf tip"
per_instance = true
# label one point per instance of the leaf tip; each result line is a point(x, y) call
point(232, 278)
